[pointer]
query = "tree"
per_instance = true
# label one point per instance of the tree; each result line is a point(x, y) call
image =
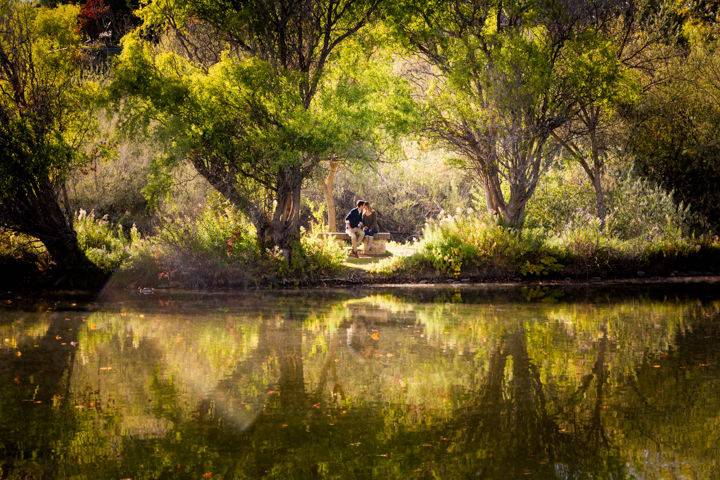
point(43, 116)
point(625, 47)
point(498, 84)
point(674, 129)
point(242, 91)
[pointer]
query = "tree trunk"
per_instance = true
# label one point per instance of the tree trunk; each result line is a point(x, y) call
point(293, 396)
point(330, 196)
point(512, 212)
point(71, 263)
point(38, 213)
point(285, 226)
point(493, 194)
point(600, 205)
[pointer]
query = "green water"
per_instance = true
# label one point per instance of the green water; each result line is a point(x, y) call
point(351, 384)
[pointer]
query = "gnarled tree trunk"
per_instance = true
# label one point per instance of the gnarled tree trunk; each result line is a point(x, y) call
point(35, 210)
point(285, 225)
point(56, 232)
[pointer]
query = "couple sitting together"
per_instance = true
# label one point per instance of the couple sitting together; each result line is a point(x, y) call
point(361, 222)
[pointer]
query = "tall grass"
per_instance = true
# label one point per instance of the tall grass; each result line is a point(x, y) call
point(473, 245)
point(218, 248)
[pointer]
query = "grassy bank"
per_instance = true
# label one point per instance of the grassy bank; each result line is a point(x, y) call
point(217, 249)
point(476, 249)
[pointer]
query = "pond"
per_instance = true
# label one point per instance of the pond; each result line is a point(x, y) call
point(449, 383)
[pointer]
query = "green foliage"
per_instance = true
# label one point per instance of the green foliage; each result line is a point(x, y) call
point(256, 118)
point(637, 209)
point(674, 131)
point(46, 107)
point(589, 247)
point(468, 244)
point(219, 233)
point(250, 114)
point(471, 246)
point(563, 198)
point(218, 248)
point(48, 112)
point(317, 256)
point(106, 245)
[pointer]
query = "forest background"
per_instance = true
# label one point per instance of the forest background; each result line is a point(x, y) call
point(212, 143)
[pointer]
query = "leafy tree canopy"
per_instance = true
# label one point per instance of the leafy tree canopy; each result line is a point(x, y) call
point(259, 107)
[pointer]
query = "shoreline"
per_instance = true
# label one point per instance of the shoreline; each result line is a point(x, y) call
point(438, 284)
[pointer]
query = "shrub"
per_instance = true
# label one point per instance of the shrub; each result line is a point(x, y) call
point(563, 197)
point(636, 208)
point(587, 247)
point(219, 248)
point(639, 209)
point(475, 244)
point(318, 255)
point(104, 244)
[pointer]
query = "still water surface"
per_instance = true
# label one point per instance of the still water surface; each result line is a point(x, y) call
point(439, 384)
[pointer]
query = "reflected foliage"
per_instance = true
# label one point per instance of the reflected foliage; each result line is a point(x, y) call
point(362, 387)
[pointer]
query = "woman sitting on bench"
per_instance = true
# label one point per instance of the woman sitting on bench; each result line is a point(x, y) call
point(370, 224)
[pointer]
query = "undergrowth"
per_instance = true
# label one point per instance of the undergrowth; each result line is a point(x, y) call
point(475, 246)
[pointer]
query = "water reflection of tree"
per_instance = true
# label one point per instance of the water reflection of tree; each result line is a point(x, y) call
point(531, 400)
point(517, 430)
point(34, 387)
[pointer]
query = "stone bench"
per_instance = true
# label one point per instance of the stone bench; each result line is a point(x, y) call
point(379, 243)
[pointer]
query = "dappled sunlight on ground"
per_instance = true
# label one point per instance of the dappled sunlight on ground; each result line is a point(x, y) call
point(365, 262)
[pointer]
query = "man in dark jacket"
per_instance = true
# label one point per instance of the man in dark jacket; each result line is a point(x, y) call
point(354, 226)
